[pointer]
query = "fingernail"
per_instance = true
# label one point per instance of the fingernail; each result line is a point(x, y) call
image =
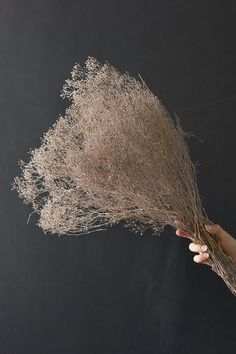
point(206, 255)
point(204, 248)
point(209, 227)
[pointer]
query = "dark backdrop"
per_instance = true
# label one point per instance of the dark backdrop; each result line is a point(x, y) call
point(115, 292)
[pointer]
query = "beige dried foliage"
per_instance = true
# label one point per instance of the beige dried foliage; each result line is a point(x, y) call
point(116, 155)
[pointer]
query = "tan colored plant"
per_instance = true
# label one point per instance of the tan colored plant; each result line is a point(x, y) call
point(116, 155)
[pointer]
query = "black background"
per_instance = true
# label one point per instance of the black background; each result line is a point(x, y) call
point(115, 292)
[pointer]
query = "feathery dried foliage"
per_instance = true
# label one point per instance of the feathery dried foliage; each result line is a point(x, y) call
point(116, 155)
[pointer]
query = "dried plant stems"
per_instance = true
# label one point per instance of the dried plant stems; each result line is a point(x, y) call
point(116, 155)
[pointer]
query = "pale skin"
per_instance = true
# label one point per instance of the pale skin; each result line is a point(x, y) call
point(227, 242)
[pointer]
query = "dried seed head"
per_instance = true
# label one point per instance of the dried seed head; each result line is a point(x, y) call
point(116, 155)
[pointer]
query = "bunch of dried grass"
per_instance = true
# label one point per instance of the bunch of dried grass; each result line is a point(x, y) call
point(116, 155)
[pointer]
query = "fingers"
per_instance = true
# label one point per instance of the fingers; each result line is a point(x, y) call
point(214, 229)
point(179, 231)
point(202, 257)
point(194, 247)
point(182, 233)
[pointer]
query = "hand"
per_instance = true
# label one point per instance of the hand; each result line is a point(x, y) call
point(227, 242)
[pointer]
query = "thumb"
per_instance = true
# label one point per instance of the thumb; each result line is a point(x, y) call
point(215, 230)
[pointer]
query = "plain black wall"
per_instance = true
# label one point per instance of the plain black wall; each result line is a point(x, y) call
point(115, 292)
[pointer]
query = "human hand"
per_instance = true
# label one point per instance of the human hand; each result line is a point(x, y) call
point(227, 242)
